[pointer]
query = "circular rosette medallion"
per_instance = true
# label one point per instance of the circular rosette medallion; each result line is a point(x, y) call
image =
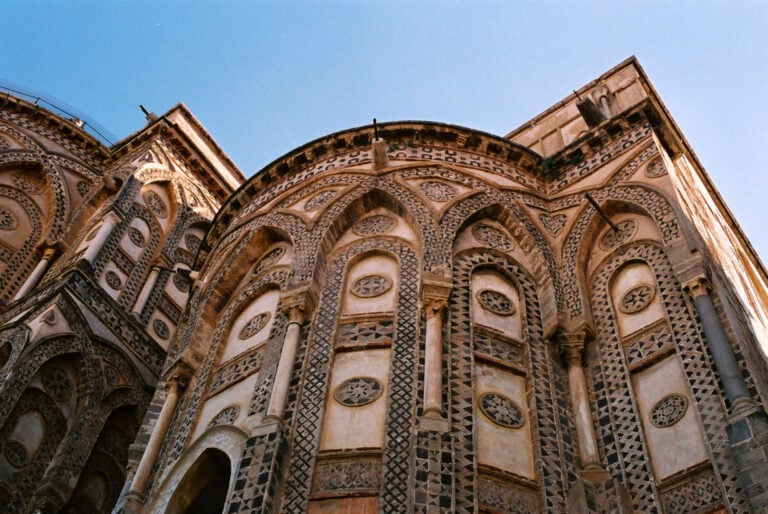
point(669, 410)
point(161, 329)
point(637, 299)
point(254, 325)
point(437, 191)
point(493, 237)
point(371, 285)
point(501, 410)
point(16, 454)
point(358, 391)
point(615, 236)
point(318, 200)
point(226, 416)
point(374, 225)
point(496, 302)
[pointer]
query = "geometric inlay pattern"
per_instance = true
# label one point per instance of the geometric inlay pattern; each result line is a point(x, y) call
point(361, 333)
point(358, 391)
point(615, 236)
point(698, 494)
point(161, 329)
point(254, 325)
point(372, 285)
point(348, 476)
point(113, 279)
point(374, 225)
point(655, 169)
point(669, 410)
point(637, 299)
point(437, 191)
point(318, 200)
point(492, 237)
point(269, 259)
point(192, 242)
point(155, 204)
point(7, 220)
point(490, 343)
point(28, 185)
point(501, 410)
point(507, 499)
point(57, 383)
point(236, 370)
point(496, 302)
point(227, 416)
point(554, 224)
point(16, 454)
point(136, 237)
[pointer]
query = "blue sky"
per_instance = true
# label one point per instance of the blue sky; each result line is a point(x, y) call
point(266, 77)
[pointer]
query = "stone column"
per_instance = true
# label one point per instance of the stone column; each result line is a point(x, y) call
point(573, 343)
point(433, 358)
point(435, 292)
point(747, 424)
point(141, 301)
point(725, 361)
point(297, 304)
point(32, 280)
point(135, 498)
point(97, 243)
point(276, 407)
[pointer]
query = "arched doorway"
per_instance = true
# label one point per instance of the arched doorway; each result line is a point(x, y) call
point(203, 490)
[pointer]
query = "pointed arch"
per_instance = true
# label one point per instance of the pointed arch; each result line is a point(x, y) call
point(528, 253)
point(340, 218)
point(630, 198)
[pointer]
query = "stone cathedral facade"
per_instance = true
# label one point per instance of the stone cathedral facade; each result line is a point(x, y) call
point(404, 317)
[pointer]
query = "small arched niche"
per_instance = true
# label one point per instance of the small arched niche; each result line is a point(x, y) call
point(371, 285)
point(495, 303)
point(159, 199)
point(635, 297)
point(203, 490)
point(629, 225)
point(251, 328)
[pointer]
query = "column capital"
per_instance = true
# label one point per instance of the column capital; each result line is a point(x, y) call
point(51, 248)
point(434, 306)
point(179, 373)
point(697, 286)
point(573, 339)
point(298, 303)
point(575, 335)
point(435, 291)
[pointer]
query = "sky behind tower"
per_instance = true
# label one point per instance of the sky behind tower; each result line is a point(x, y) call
point(265, 77)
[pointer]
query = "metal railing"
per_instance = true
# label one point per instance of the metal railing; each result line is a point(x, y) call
point(61, 109)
